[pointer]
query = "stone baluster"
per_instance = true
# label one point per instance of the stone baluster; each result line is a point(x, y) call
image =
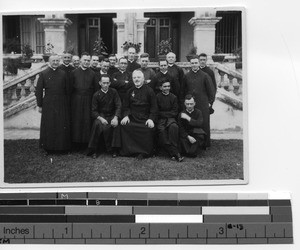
point(221, 83)
point(240, 89)
point(236, 86)
point(23, 90)
point(32, 87)
point(14, 96)
point(230, 85)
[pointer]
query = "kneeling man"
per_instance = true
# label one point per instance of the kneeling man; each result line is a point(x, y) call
point(140, 109)
point(106, 109)
point(190, 123)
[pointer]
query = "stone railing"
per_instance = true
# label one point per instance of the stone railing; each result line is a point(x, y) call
point(18, 93)
point(230, 85)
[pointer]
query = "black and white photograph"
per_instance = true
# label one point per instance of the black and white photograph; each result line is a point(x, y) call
point(125, 97)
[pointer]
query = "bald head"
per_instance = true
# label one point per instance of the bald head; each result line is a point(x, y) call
point(171, 58)
point(138, 78)
point(54, 61)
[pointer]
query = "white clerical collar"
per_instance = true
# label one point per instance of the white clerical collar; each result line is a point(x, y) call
point(131, 61)
point(171, 65)
point(83, 68)
point(165, 93)
point(190, 111)
point(53, 68)
point(195, 71)
point(164, 72)
point(66, 65)
point(102, 73)
point(104, 91)
point(122, 71)
point(138, 87)
point(202, 67)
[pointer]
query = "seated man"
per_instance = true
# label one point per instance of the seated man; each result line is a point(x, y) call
point(140, 108)
point(167, 127)
point(190, 128)
point(106, 109)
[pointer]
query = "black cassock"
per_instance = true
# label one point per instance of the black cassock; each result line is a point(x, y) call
point(107, 105)
point(84, 84)
point(67, 69)
point(167, 126)
point(192, 128)
point(139, 105)
point(55, 121)
point(177, 73)
point(160, 77)
point(201, 87)
point(112, 70)
point(209, 71)
point(132, 66)
point(122, 82)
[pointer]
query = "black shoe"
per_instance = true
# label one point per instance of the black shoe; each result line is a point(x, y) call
point(179, 158)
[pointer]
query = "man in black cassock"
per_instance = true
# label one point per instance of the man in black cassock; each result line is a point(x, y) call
point(148, 72)
point(121, 80)
point(132, 64)
point(106, 110)
point(190, 122)
point(84, 85)
point(206, 69)
point(112, 65)
point(175, 71)
point(140, 110)
point(55, 121)
point(167, 126)
point(164, 76)
point(94, 63)
point(75, 61)
point(199, 84)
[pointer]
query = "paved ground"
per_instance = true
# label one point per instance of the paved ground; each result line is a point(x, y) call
point(17, 134)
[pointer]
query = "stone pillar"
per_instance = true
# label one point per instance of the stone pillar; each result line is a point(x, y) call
point(120, 22)
point(55, 31)
point(140, 23)
point(204, 24)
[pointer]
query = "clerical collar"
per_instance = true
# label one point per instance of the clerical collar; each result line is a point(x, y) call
point(53, 68)
point(138, 87)
point(165, 93)
point(195, 71)
point(104, 91)
point(102, 73)
point(171, 65)
point(122, 71)
point(66, 65)
point(131, 61)
point(190, 111)
point(202, 67)
point(83, 68)
point(164, 72)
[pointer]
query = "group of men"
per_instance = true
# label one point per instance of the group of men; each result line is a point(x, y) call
point(129, 110)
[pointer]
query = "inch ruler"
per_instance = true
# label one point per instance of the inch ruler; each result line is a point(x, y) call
point(145, 218)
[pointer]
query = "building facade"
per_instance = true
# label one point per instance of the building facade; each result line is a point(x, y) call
point(204, 28)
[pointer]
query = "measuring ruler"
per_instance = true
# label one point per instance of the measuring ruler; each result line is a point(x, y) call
point(145, 218)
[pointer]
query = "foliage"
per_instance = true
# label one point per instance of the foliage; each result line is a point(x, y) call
point(238, 53)
point(12, 46)
point(164, 47)
point(193, 50)
point(23, 163)
point(48, 48)
point(99, 47)
point(218, 49)
point(126, 45)
point(11, 65)
point(70, 50)
point(27, 52)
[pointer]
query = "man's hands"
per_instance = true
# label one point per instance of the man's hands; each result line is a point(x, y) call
point(149, 123)
point(40, 109)
point(114, 122)
point(102, 120)
point(185, 116)
point(125, 120)
point(191, 139)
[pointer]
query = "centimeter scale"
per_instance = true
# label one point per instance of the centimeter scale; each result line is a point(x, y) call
point(145, 218)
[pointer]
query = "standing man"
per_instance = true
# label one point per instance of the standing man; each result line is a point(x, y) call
point(140, 110)
point(206, 69)
point(167, 127)
point(112, 64)
point(190, 122)
point(199, 84)
point(106, 110)
point(121, 80)
point(67, 68)
point(164, 76)
point(53, 105)
point(132, 64)
point(148, 72)
point(76, 61)
point(94, 63)
point(83, 83)
point(175, 71)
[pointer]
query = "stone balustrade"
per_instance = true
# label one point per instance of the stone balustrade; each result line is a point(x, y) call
point(19, 92)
